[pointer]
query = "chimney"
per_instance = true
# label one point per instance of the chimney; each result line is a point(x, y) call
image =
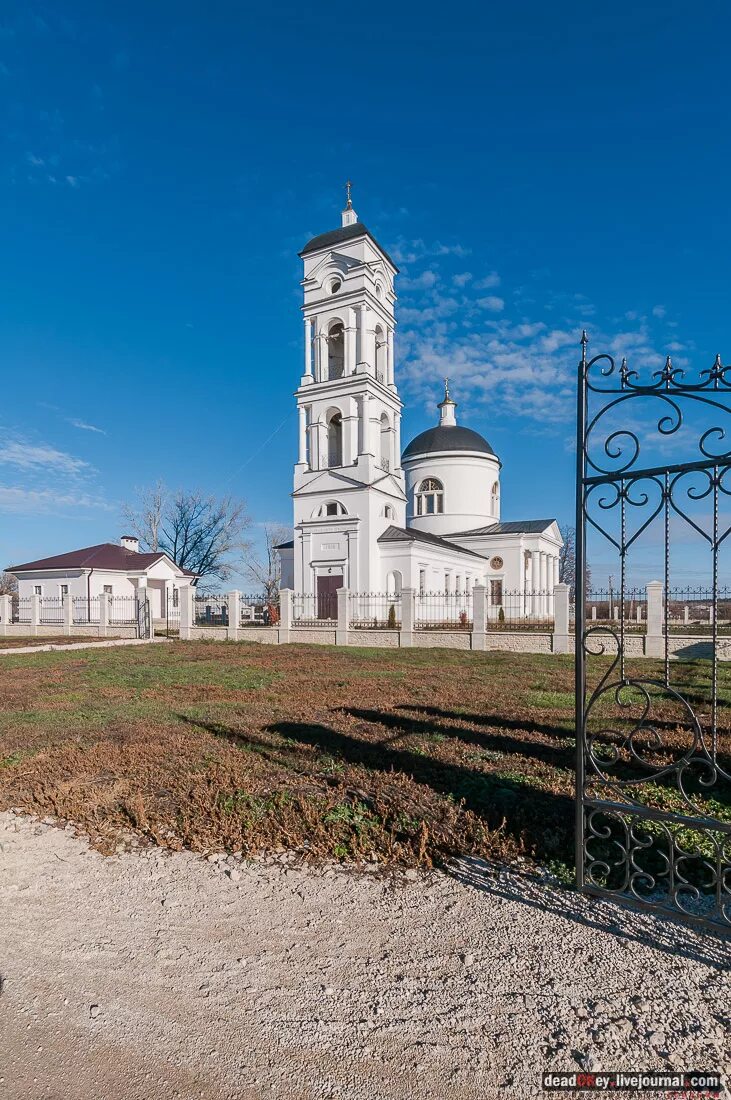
point(130, 542)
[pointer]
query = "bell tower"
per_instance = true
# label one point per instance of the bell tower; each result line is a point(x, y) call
point(348, 481)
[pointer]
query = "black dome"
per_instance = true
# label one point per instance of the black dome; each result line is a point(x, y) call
point(448, 437)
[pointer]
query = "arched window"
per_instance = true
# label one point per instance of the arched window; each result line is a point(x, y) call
point(388, 511)
point(394, 583)
point(429, 497)
point(381, 348)
point(331, 508)
point(495, 498)
point(335, 350)
point(335, 440)
point(335, 284)
point(385, 445)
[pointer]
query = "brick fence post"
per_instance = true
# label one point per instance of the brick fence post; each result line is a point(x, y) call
point(341, 632)
point(408, 614)
point(234, 615)
point(560, 641)
point(285, 615)
point(479, 617)
point(6, 611)
point(654, 641)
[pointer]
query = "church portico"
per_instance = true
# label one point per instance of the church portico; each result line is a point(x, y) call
point(366, 517)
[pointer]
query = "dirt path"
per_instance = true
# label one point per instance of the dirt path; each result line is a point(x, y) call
point(149, 975)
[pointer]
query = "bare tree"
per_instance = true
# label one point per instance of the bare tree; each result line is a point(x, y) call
point(145, 519)
point(8, 585)
point(567, 556)
point(265, 568)
point(567, 560)
point(203, 534)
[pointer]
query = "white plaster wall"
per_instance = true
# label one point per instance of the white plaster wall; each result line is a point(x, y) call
point(467, 478)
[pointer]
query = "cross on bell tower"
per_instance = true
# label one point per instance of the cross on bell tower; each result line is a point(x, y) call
point(348, 216)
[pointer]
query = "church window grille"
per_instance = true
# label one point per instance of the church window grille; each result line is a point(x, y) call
point(430, 497)
point(495, 498)
point(422, 580)
point(496, 592)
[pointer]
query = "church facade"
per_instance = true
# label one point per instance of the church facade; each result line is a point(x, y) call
point(367, 516)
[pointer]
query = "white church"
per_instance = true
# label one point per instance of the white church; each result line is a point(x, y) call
point(367, 516)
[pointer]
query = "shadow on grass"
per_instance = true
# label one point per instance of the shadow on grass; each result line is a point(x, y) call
point(557, 756)
point(542, 820)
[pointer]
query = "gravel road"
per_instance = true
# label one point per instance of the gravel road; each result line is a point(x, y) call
point(149, 975)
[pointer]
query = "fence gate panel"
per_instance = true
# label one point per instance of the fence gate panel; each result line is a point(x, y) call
point(653, 506)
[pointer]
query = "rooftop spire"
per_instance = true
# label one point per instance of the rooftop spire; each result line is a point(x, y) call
point(349, 216)
point(446, 408)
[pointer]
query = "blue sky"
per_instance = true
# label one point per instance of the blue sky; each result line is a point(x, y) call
point(534, 169)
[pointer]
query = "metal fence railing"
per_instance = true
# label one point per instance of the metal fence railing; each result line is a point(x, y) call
point(511, 610)
point(374, 610)
point(121, 610)
point(51, 610)
point(313, 608)
point(85, 610)
point(258, 610)
point(20, 609)
point(606, 607)
point(210, 609)
point(443, 611)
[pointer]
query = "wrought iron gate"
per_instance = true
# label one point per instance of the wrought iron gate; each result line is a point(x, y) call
point(653, 738)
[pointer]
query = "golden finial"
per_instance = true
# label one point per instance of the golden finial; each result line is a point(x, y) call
point(348, 185)
point(446, 389)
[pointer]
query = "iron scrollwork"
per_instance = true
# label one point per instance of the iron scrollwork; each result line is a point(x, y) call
point(653, 786)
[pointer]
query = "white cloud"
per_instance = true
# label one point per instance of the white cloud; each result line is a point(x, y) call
point(658, 311)
point(425, 281)
point(30, 456)
point(31, 502)
point(84, 426)
point(462, 278)
point(488, 282)
point(495, 305)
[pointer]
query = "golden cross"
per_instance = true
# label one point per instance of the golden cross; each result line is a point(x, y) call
point(446, 389)
point(348, 185)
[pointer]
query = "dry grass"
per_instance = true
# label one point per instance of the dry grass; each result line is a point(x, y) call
point(62, 639)
point(410, 756)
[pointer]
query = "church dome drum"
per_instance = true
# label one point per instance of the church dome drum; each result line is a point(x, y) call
point(452, 477)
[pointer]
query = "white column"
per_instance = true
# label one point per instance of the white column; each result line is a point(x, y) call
point(543, 584)
point(308, 348)
point(366, 430)
point(389, 359)
point(351, 334)
point(555, 570)
point(362, 321)
point(321, 365)
point(302, 411)
point(397, 441)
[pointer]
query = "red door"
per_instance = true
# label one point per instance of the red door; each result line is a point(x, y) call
point(327, 600)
